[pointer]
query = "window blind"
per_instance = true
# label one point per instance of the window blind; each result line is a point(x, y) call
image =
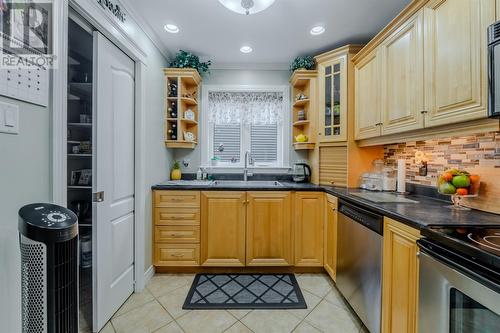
point(230, 137)
point(264, 143)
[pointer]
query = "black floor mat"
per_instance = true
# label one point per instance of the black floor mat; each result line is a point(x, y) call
point(244, 291)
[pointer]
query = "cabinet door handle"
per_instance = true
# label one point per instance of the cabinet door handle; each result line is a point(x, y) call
point(177, 255)
point(175, 235)
point(423, 111)
point(177, 199)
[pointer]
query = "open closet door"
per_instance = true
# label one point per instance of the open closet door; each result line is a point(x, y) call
point(114, 179)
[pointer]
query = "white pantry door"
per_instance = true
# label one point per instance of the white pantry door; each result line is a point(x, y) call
point(114, 175)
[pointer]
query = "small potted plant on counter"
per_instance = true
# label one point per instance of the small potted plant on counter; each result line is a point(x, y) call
point(185, 59)
point(176, 173)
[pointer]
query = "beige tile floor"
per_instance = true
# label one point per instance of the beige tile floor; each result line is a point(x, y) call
point(159, 309)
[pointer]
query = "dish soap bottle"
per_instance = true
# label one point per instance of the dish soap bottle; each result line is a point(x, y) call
point(199, 174)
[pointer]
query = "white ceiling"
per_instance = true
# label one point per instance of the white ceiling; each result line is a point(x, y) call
point(277, 35)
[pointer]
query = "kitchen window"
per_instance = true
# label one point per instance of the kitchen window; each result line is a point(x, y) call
point(246, 119)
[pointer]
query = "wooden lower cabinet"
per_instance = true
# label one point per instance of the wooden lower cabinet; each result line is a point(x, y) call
point(309, 222)
point(330, 246)
point(177, 254)
point(399, 278)
point(269, 229)
point(223, 224)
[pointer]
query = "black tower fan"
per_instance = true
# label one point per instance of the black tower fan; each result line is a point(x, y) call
point(48, 236)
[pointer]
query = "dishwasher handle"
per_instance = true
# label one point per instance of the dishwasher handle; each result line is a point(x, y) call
point(365, 217)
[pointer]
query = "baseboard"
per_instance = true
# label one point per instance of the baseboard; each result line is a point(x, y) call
point(148, 274)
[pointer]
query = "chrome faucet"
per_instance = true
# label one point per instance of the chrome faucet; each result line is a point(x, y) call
point(248, 160)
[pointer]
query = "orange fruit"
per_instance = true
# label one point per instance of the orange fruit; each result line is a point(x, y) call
point(462, 191)
point(447, 176)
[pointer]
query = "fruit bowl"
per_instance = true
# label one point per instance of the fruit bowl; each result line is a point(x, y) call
point(458, 184)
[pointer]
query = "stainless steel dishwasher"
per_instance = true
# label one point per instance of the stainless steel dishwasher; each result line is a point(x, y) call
point(359, 262)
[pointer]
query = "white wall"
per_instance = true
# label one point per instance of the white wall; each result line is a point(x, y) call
point(24, 178)
point(158, 158)
point(238, 77)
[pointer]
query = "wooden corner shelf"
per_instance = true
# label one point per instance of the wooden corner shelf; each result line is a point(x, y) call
point(189, 122)
point(301, 123)
point(304, 145)
point(181, 82)
point(304, 83)
point(180, 144)
point(301, 102)
point(189, 101)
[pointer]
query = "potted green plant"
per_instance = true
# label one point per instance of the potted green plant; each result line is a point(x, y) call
point(185, 59)
point(176, 173)
point(306, 62)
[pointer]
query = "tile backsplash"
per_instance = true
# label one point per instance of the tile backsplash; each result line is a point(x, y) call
point(464, 152)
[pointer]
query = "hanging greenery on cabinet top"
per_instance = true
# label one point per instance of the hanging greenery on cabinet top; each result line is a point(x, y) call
point(185, 59)
point(306, 62)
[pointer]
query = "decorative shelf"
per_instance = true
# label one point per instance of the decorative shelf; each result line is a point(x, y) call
point(303, 145)
point(303, 83)
point(301, 102)
point(180, 144)
point(189, 121)
point(181, 82)
point(301, 123)
point(189, 101)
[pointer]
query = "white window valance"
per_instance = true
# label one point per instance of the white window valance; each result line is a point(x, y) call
point(248, 108)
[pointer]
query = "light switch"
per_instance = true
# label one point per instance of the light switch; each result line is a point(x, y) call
point(9, 118)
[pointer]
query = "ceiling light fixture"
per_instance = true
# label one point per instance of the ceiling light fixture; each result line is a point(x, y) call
point(317, 30)
point(246, 49)
point(172, 28)
point(246, 7)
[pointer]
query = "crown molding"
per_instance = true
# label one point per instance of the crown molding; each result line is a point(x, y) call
point(251, 66)
point(147, 29)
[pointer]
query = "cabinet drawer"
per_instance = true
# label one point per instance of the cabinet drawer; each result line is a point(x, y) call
point(177, 198)
point(177, 234)
point(177, 216)
point(177, 254)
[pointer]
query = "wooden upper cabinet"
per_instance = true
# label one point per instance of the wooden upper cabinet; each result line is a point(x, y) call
point(401, 59)
point(223, 223)
point(330, 253)
point(269, 229)
point(333, 100)
point(456, 60)
point(309, 221)
point(367, 100)
point(399, 278)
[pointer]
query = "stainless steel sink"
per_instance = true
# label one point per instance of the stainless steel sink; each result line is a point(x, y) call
point(250, 183)
point(189, 182)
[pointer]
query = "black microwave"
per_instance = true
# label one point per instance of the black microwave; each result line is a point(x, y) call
point(494, 70)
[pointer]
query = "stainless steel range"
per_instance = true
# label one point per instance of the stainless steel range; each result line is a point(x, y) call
point(459, 280)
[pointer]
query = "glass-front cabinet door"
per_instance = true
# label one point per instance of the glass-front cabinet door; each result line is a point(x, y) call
point(333, 94)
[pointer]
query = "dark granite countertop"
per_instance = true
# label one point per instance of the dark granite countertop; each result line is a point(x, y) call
point(427, 212)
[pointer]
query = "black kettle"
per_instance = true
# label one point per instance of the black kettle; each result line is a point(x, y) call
point(301, 173)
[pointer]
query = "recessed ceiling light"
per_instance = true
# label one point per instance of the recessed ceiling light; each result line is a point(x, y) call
point(172, 28)
point(317, 30)
point(246, 49)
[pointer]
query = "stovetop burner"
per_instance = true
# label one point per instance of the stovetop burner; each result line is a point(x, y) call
point(481, 244)
point(488, 241)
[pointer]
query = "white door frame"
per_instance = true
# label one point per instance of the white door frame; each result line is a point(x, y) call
point(96, 16)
